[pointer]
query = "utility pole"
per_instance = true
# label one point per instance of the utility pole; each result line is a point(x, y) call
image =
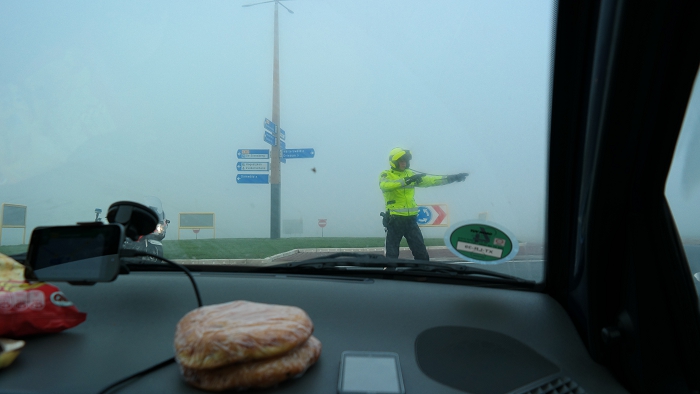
point(275, 171)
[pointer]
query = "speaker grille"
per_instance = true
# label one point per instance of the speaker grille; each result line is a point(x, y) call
point(560, 385)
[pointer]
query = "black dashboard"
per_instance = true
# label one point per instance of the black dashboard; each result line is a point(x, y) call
point(449, 338)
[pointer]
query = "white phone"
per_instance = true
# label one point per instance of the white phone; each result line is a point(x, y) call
point(370, 372)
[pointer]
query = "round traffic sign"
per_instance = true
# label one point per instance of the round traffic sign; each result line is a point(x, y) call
point(424, 215)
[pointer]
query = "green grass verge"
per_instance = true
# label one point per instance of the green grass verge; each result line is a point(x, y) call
point(257, 248)
point(249, 248)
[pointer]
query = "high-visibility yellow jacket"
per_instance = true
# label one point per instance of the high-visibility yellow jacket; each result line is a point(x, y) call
point(398, 196)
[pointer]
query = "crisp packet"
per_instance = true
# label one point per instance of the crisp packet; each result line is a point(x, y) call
point(29, 308)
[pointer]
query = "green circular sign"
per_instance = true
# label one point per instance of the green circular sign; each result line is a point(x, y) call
point(481, 242)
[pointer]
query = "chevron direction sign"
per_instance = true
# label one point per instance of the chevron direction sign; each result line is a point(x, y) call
point(433, 215)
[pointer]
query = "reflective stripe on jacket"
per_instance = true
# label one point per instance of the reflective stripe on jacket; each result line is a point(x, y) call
point(398, 197)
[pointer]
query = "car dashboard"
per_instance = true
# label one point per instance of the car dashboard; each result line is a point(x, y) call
point(450, 338)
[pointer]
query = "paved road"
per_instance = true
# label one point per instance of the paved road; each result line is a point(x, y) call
point(437, 254)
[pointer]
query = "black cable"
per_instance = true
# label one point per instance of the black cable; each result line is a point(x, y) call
point(138, 374)
point(424, 173)
point(135, 253)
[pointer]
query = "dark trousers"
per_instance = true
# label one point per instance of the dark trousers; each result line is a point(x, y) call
point(405, 226)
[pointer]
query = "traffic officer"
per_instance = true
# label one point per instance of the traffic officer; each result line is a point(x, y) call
point(398, 186)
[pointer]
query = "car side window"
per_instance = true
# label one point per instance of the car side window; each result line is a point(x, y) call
point(683, 184)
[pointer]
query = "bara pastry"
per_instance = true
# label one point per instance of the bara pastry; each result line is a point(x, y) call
point(255, 374)
point(218, 335)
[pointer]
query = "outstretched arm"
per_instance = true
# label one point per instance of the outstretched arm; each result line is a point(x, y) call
point(437, 180)
point(386, 184)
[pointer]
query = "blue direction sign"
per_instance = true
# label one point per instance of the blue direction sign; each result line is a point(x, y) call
point(283, 145)
point(269, 126)
point(269, 138)
point(252, 178)
point(306, 153)
point(283, 135)
point(253, 154)
point(253, 166)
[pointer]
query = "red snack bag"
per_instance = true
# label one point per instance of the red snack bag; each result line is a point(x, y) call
point(28, 308)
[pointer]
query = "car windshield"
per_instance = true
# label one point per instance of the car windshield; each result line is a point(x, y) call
point(278, 131)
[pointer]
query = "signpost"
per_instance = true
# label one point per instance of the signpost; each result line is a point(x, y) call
point(253, 166)
point(253, 154)
point(433, 215)
point(270, 126)
point(322, 224)
point(306, 153)
point(253, 178)
point(270, 139)
point(274, 136)
point(279, 153)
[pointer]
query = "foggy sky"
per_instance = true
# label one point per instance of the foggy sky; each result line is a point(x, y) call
point(104, 101)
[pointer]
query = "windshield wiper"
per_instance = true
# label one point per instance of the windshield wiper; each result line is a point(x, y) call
point(374, 262)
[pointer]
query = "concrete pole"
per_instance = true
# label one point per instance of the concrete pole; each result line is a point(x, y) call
point(275, 172)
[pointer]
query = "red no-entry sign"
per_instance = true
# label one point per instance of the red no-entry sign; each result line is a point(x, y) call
point(322, 223)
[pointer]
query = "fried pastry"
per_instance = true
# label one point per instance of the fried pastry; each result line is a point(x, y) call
point(256, 374)
point(222, 334)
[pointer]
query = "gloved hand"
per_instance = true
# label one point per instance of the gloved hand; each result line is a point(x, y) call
point(418, 178)
point(457, 177)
